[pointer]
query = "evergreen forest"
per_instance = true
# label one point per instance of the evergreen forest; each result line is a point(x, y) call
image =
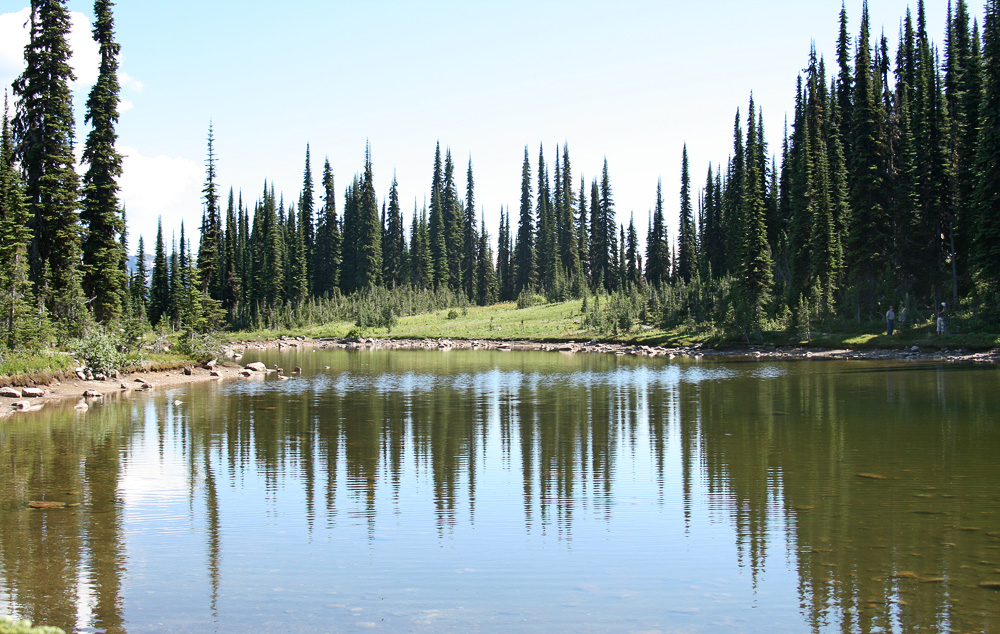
point(883, 189)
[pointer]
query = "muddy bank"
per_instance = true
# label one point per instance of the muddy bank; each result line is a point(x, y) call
point(26, 395)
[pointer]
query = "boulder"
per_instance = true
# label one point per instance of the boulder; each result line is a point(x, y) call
point(81, 373)
point(188, 371)
point(32, 392)
point(210, 365)
point(215, 373)
point(245, 372)
point(92, 394)
point(10, 392)
point(257, 366)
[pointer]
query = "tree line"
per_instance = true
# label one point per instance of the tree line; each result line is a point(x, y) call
point(885, 190)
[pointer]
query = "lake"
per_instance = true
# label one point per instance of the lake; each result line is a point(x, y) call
point(474, 491)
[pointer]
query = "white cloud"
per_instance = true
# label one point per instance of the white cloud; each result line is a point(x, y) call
point(130, 82)
point(160, 186)
point(86, 60)
point(14, 36)
point(125, 105)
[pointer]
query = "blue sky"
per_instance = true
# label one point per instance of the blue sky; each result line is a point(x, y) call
point(630, 81)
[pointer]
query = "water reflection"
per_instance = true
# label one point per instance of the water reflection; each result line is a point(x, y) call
point(855, 498)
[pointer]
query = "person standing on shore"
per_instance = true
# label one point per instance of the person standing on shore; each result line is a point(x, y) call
point(940, 319)
point(890, 320)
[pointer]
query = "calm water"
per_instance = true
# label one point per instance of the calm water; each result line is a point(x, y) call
point(462, 491)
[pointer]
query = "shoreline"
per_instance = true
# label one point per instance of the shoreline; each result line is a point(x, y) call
point(87, 391)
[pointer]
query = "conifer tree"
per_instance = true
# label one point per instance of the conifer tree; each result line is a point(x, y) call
point(608, 256)
point(394, 250)
point(733, 222)
point(987, 226)
point(505, 273)
point(297, 271)
point(307, 217)
point(369, 265)
point(15, 236)
point(632, 260)
point(569, 243)
point(159, 287)
point(845, 82)
point(327, 250)
point(103, 253)
point(470, 239)
point(270, 271)
point(211, 227)
point(755, 270)
point(656, 242)
point(43, 128)
point(870, 229)
point(524, 262)
point(451, 218)
point(486, 279)
point(688, 241)
point(421, 258)
point(583, 234)
point(598, 243)
point(230, 260)
point(545, 239)
point(138, 285)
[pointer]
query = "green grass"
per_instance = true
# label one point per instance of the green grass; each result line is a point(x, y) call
point(35, 363)
point(562, 321)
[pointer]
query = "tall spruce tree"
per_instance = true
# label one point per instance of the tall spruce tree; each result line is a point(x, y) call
point(870, 237)
point(103, 253)
point(43, 128)
point(327, 249)
point(15, 236)
point(470, 239)
point(211, 227)
point(369, 265)
point(138, 286)
point(755, 271)
point(687, 239)
point(524, 262)
point(656, 242)
point(159, 286)
point(486, 279)
point(307, 217)
point(987, 226)
point(230, 260)
point(394, 245)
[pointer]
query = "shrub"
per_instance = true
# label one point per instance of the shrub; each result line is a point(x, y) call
point(101, 350)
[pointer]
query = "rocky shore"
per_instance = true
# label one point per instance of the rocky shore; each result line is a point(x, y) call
point(85, 389)
point(914, 353)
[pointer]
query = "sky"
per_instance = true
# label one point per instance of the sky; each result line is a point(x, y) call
point(629, 82)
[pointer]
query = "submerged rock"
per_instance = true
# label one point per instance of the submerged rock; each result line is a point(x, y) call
point(43, 504)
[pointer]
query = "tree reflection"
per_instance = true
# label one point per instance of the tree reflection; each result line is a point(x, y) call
point(879, 486)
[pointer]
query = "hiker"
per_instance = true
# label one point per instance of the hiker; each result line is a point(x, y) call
point(940, 319)
point(890, 320)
